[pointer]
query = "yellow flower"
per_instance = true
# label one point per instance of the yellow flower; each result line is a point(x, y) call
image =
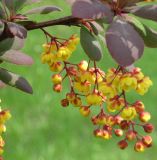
point(94, 99)
point(56, 67)
point(56, 78)
point(63, 54)
point(72, 43)
point(49, 47)
point(144, 85)
point(114, 105)
point(4, 116)
point(127, 82)
point(128, 113)
point(107, 89)
point(82, 87)
point(48, 58)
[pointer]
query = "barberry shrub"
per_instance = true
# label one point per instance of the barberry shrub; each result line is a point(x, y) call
point(115, 24)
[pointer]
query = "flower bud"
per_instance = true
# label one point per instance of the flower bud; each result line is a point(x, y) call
point(77, 102)
point(148, 128)
point(85, 110)
point(83, 65)
point(122, 144)
point(57, 87)
point(144, 116)
point(118, 132)
point(106, 135)
point(139, 146)
point(98, 132)
point(56, 79)
point(147, 140)
point(70, 96)
point(139, 106)
point(124, 125)
point(64, 102)
point(130, 135)
point(118, 119)
point(56, 67)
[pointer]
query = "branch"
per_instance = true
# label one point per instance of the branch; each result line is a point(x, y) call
point(68, 21)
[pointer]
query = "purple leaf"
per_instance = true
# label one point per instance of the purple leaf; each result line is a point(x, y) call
point(43, 10)
point(17, 30)
point(11, 43)
point(124, 43)
point(17, 57)
point(91, 9)
point(147, 12)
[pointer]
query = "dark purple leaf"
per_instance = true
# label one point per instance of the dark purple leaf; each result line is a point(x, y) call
point(147, 12)
point(124, 43)
point(91, 9)
point(14, 80)
point(17, 30)
point(16, 57)
point(43, 10)
point(11, 43)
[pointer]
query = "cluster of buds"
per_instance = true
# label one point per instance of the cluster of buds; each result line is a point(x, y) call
point(90, 86)
point(4, 116)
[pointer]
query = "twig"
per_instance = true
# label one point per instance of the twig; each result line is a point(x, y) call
point(68, 21)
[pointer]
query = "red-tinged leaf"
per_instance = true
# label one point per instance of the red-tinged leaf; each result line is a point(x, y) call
point(43, 10)
point(124, 43)
point(90, 45)
point(17, 30)
point(91, 9)
point(147, 12)
point(15, 80)
point(16, 57)
point(2, 85)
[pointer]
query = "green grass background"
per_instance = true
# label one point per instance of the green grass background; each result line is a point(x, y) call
point(40, 129)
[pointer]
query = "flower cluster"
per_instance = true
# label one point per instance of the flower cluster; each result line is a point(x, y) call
point(90, 86)
point(4, 116)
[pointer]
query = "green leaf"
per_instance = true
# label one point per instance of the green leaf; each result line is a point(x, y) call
point(90, 44)
point(15, 80)
point(148, 35)
point(43, 10)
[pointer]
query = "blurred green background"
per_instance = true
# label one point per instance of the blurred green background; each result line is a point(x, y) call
point(40, 129)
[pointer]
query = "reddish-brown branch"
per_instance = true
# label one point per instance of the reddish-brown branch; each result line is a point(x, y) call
point(68, 21)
